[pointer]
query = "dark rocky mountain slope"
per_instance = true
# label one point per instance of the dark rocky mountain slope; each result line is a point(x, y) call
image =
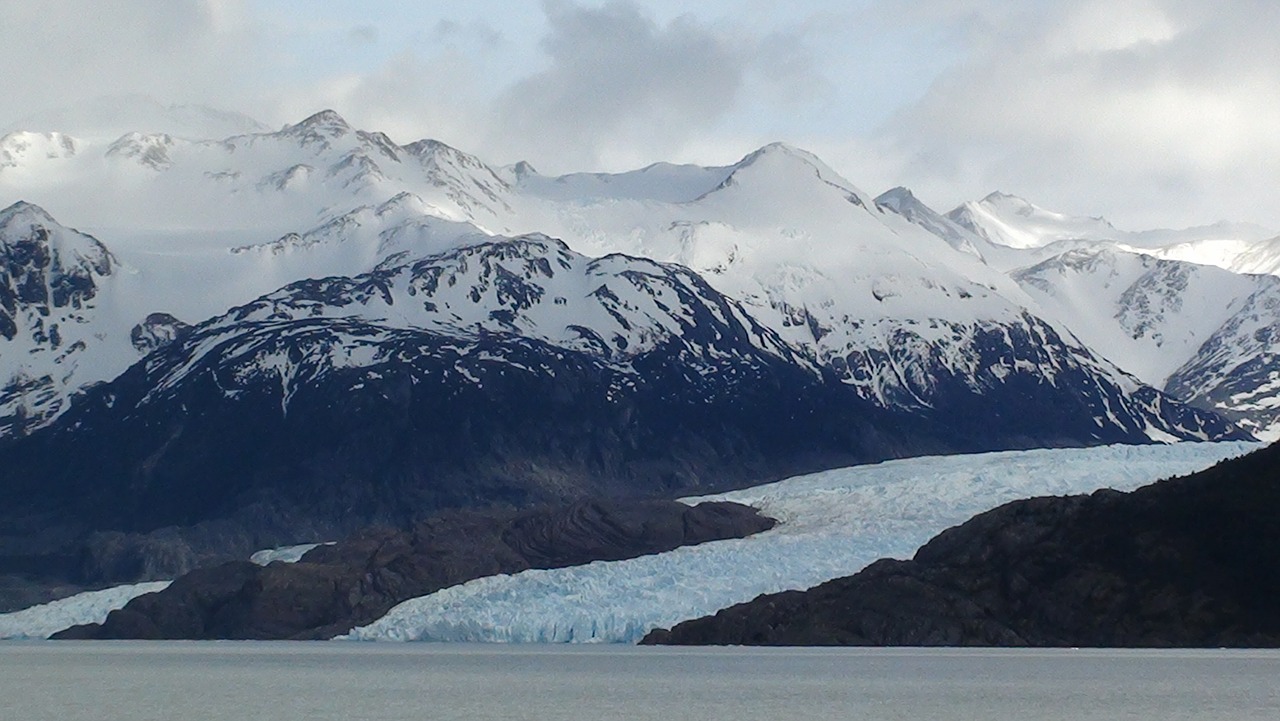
point(1187, 562)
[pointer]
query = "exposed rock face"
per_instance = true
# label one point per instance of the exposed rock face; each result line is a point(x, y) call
point(335, 588)
point(156, 331)
point(1189, 562)
point(50, 281)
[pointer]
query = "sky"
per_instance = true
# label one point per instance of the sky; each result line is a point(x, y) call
point(1153, 113)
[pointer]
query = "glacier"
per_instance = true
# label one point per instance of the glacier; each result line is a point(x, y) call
point(46, 619)
point(832, 524)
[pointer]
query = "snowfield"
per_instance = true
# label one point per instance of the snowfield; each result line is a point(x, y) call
point(285, 554)
point(833, 524)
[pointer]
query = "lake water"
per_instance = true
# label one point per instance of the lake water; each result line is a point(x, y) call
point(137, 681)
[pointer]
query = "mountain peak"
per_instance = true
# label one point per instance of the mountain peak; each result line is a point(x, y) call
point(327, 122)
point(22, 211)
point(1008, 202)
point(782, 161)
point(897, 199)
point(997, 196)
point(524, 168)
point(1015, 222)
point(778, 150)
point(426, 146)
point(27, 224)
point(903, 202)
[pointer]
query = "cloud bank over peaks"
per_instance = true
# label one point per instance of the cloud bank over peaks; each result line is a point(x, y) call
point(1148, 111)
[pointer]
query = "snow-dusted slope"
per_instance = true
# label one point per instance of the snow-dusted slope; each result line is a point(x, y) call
point(616, 307)
point(833, 524)
point(1199, 332)
point(1148, 315)
point(52, 283)
point(1151, 302)
point(284, 554)
point(1237, 370)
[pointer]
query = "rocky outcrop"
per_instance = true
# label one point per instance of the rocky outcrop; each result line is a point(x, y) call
point(335, 588)
point(156, 331)
point(1189, 562)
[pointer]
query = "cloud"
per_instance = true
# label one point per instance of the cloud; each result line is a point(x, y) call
point(408, 97)
point(1150, 111)
point(604, 87)
point(65, 50)
point(363, 35)
point(622, 88)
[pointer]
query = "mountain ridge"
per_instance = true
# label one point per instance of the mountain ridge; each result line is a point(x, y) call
point(317, 326)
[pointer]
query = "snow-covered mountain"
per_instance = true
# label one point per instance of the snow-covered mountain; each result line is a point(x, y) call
point(1199, 332)
point(509, 370)
point(1179, 325)
point(488, 359)
point(318, 326)
point(907, 321)
point(1013, 222)
point(1009, 222)
point(52, 280)
point(903, 202)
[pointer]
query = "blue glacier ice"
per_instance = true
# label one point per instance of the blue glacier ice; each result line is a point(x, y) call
point(833, 524)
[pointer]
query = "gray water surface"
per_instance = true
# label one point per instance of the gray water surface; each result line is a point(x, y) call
point(321, 681)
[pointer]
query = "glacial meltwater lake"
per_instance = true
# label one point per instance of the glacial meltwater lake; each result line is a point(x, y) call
point(139, 681)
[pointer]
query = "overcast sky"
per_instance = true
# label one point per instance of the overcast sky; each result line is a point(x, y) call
point(1150, 112)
